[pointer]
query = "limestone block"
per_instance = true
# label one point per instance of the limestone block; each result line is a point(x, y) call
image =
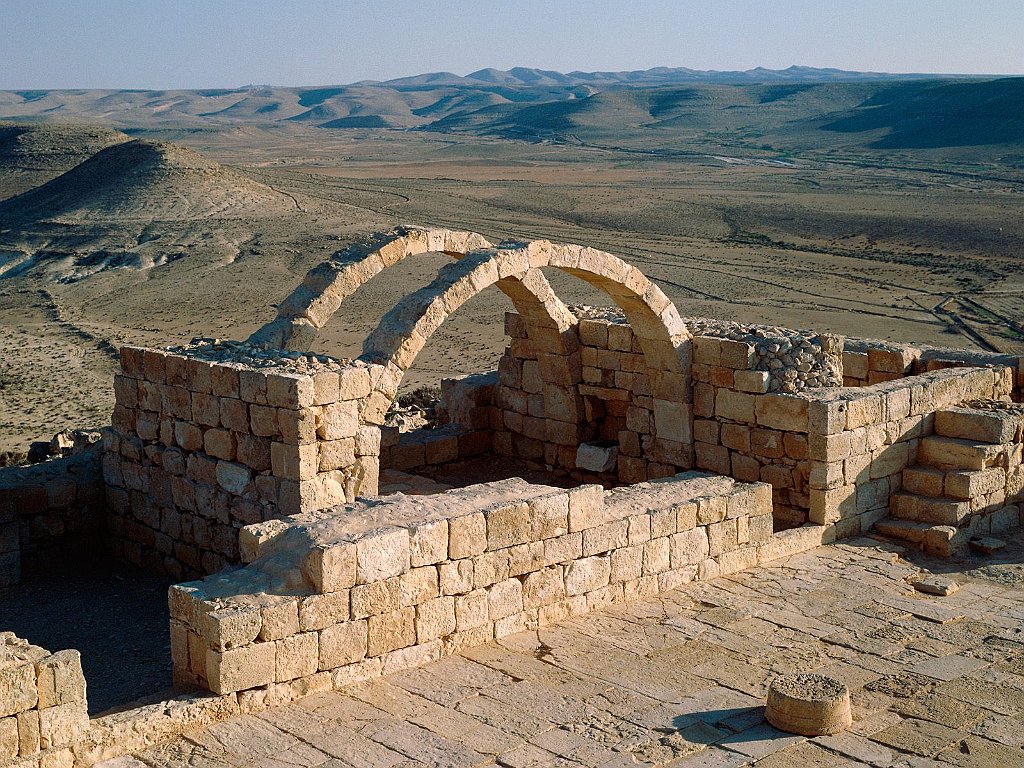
point(490, 568)
point(378, 597)
point(604, 538)
point(980, 426)
point(428, 542)
point(689, 547)
point(279, 618)
point(893, 360)
point(321, 611)
point(595, 457)
point(832, 447)
point(232, 477)
point(331, 568)
point(382, 553)
point(968, 484)
point(737, 354)
point(889, 460)
point(242, 668)
point(711, 509)
point(338, 420)
point(736, 406)
point(759, 529)
point(504, 598)
point(586, 507)
point(826, 417)
point(435, 618)
point(235, 415)
point(263, 421)
point(18, 690)
point(230, 626)
point(291, 391)
point(525, 558)
point(673, 420)
point(755, 382)
point(471, 610)
point(508, 525)
point(297, 656)
point(418, 585)
point(562, 549)
point(587, 574)
point(343, 644)
point(550, 515)
point(828, 506)
point(63, 725)
point(9, 739)
point(543, 587)
point(626, 564)
point(297, 427)
point(467, 535)
point(28, 733)
point(455, 577)
point(391, 631)
point(367, 441)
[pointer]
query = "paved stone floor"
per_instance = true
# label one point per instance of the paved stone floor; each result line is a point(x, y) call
point(681, 681)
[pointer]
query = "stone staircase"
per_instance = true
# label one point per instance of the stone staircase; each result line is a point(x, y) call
point(968, 483)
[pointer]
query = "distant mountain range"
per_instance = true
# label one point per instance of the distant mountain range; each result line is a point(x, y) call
point(779, 110)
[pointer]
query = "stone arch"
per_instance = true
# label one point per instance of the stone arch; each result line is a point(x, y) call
point(393, 346)
point(325, 287)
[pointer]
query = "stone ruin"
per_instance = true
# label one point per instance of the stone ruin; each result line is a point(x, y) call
point(692, 448)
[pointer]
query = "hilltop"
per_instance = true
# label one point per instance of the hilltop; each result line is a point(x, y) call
point(149, 181)
point(31, 155)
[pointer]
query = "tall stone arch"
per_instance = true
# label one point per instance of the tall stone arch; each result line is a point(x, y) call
point(325, 287)
point(402, 333)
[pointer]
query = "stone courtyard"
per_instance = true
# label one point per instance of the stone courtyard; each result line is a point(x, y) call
point(680, 680)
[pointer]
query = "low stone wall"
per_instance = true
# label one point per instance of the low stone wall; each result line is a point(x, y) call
point(861, 439)
point(370, 588)
point(873, 361)
point(43, 710)
point(51, 514)
point(427, 449)
point(211, 439)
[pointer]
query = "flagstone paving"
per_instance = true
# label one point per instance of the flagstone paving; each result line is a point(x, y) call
point(681, 680)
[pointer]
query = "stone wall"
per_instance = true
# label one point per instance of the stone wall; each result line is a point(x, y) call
point(373, 587)
point(872, 361)
point(54, 512)
point(745, 432)
point(861, 439)
point(43, 711)
point(613, 396)
point(210, 439)
point(428, 449)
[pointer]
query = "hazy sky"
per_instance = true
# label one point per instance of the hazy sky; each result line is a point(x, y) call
point(223, 43)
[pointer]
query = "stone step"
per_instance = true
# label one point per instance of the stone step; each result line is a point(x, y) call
point(928, 509)
point(908, 530)
point(971, 484)
point(924, 481)
point(956, 453)
point(995, 426)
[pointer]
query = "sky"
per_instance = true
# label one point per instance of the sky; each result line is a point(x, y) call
point(165, 44)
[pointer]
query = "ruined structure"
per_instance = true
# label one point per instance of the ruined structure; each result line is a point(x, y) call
point(697, 448)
